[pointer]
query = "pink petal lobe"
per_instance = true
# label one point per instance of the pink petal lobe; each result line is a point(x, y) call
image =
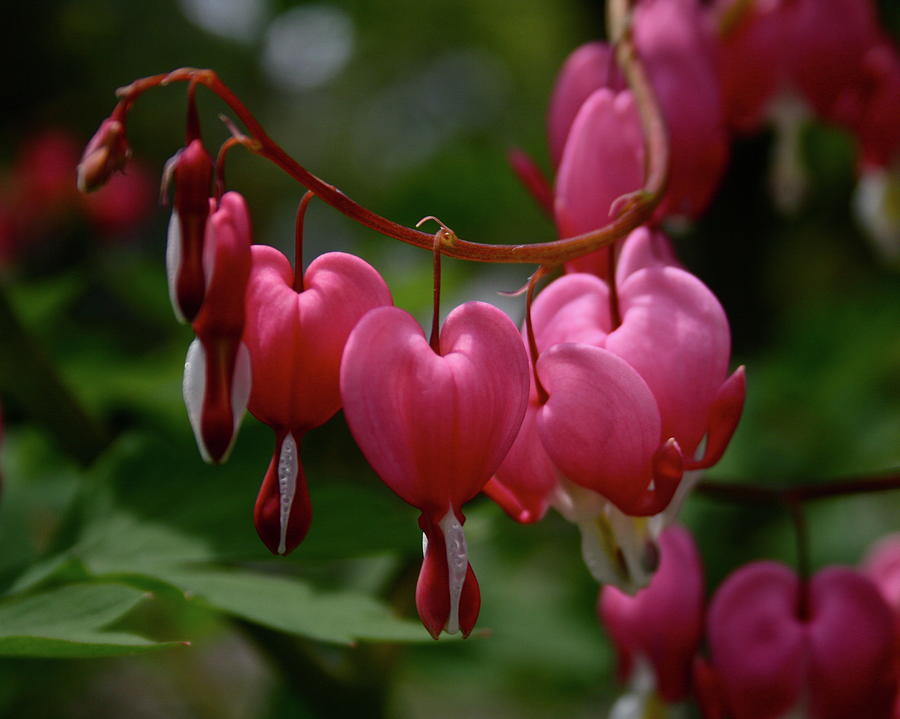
point(603, 160)
point(587, 69)
point(435, 427)
point(522, 484)
point(572, 308)
point(662, 623)
point(296, 339)
point(724, 415)
point(644, 248)
point(851, 635)
point(601, 425)
point(674, 333)
point(759, 647)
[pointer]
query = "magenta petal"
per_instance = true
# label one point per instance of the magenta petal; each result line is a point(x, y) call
point(587, 69)
point(674, 333)
point(296, 339)
point(758, 646)
point(724, 415)
point(447, 593)
point(603, 160)
point(524, 481)
point(662, 623)
point(601, 425)
point(435, 427)
point(643, 248)
point(573, 308)
point(851, 644)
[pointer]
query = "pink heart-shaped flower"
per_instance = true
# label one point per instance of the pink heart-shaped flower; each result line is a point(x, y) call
point(435, 426)
point(772, 651)
point(296, 340)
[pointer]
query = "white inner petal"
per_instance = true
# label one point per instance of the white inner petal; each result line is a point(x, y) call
point(457, 565)
point(288, 465)
point(193, 388)
point(240, 391)
point(173, 262)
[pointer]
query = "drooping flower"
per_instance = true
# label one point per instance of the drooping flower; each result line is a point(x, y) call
point(217, 373)
point(192, 170)
point(296, 339)
point(825, 646)
point(628, 406)
point(435, 426)
point(657, 631)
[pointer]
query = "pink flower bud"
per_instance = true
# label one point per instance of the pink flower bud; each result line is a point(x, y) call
point(435, 426)
point(217, 369)
point(662, 624)
point(296, 340)
point(105, 154)
point(834, 660)
point(184, 251)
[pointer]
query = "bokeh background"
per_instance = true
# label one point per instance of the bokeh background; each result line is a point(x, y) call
point(409, 107)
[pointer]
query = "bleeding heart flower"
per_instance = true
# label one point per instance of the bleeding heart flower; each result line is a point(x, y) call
point(217, 368)
point(629, 422)
point(826, 646)
point(192, 170)
point(660, 627)
point(602, 160)
point(296, 340)
point(435, 426)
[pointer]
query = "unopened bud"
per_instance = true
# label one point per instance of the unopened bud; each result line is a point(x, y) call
point(105, 154)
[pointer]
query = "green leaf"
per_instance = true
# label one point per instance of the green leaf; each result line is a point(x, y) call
point(292, 606)
point(67, 622)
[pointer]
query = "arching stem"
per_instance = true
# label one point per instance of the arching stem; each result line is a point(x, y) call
point(298, 240)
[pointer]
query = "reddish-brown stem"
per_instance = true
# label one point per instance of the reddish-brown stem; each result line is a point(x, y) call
point(435, 339)
point(192, 126)
point(539, 253)
point(614, 314)
point(746, 493)
point(220, 165)
point(542, 394)
point(298, 240)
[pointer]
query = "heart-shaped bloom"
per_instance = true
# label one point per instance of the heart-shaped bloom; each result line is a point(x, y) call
point(192, 170)
point(435, 426)
point(659, 629)
point(627, 408)
point(296, 340)
point(217, 368)
point(826, 647)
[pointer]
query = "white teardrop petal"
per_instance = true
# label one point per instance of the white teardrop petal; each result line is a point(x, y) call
point(457, 565)
point(173, 262)
point(288, 467)
point(194, 388)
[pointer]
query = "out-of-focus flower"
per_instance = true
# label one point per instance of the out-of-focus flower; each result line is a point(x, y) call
point(658, 630)
point(824, 648)
point(435, 426)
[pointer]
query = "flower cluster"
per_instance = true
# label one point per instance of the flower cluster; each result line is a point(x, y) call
point(609, 401)
point(777, 643)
